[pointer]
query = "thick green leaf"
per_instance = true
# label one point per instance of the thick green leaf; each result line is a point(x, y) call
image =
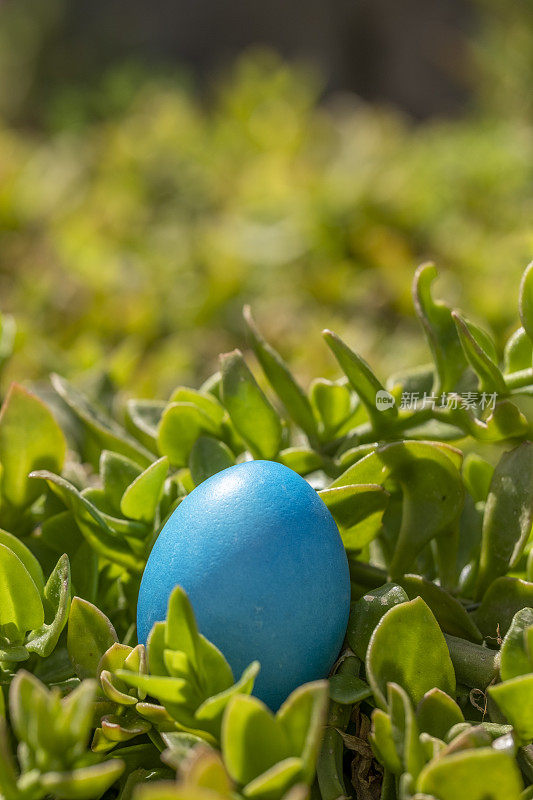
point(362, 380)
point(488, 372)
point(404, 729)
point(437, 712)
point(303, 716)
point(515, 658)
point(513, 697)
point(303, 460)
point(440, 330)
point(204, 400)
point(90, 634)
point(518, 354)
point(105, 432)
point(432, 492)
point(385, 748)
point(250, 411)
point(274, 782)
point(181, 425)
point(366, 612)
point(355, 504)
point(141, 498)
point(475, 666)
point(142, 420)
point(525, 300)
point(483, 774)
point(209, 456)
point(56, 606)
point(504, 597)
point(117, 472)
point(21, 608)
point(214, 672)
point(30, 439)
point(448, 611)
point(210, 713)
point(508, 515)
point(252, 739)
point(334, 405)
point(281, 379)
point(92, 523)
point(26, 556)
point(85, 783)
point(408, 648)
point(181, 632)
point(477, 475)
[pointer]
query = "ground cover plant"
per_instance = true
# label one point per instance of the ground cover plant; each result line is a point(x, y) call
point(429, 477)
point(137, 233)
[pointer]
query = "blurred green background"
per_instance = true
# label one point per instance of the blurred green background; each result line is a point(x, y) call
point(148, 192)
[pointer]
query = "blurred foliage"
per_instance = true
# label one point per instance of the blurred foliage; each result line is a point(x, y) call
point(136, 218)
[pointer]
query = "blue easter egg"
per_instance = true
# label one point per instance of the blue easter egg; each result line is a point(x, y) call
point(262, 562)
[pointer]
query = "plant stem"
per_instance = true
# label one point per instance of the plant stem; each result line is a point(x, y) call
point(329, 766)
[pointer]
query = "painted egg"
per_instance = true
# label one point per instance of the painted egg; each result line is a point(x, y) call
point(263, 564)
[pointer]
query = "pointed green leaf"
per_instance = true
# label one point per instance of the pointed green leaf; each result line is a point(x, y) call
point(181, 425)
point(275, 782)
point(90, 634)
point(404, 729)
point(252, 739)
point(508, 515)
point(181, 632)
point(56, 605)
point(518, 353)
point(20, 601)
point(353, 504)
point(334, 405)
point(92, 523)
point(362, 380)
point(141, 498)
point(85, 783)
point(387, 751)
point(525, 300)
point(303, 716)
point(513, 698)
point(105, 432)
point(142, 420)
point(210, 713)
point(366, 612)
point(250, 411)
point(477, 474)
point(302, 460)
point(117, 472)
point(440, 330)
point(30, 439)
point(504, 597)
point(209, 456)
point(483, 774)
point(26, 556)
point(515, 659)
point(488, 372)
point(408, 648)
point(437, 712)
point(281, 379)
point(448, 611)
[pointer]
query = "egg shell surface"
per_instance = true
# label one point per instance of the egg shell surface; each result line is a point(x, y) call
point(263, 564)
